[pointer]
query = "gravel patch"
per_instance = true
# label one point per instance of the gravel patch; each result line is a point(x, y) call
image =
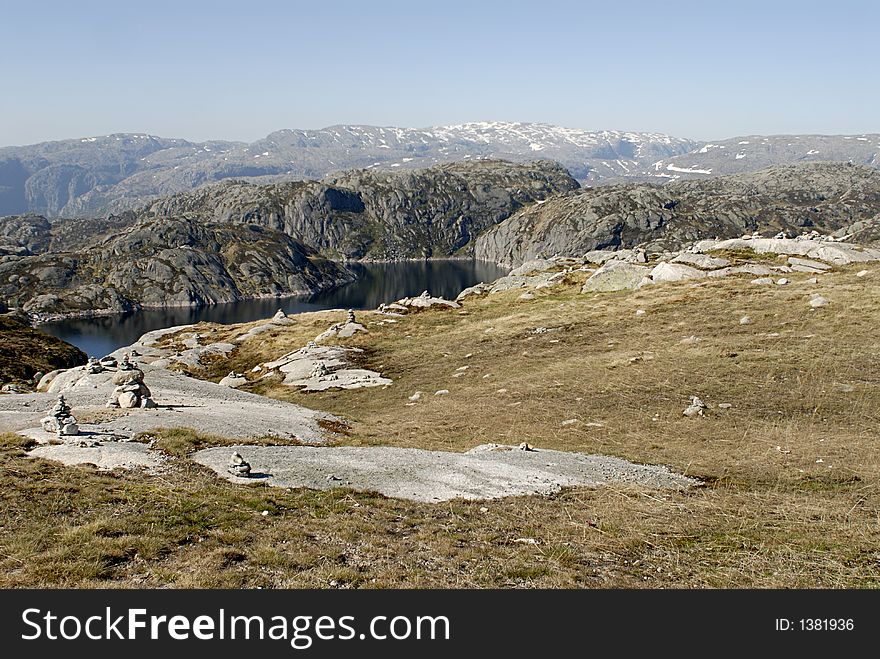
point(487, 472)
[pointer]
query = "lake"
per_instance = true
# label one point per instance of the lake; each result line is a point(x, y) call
point(377, 283)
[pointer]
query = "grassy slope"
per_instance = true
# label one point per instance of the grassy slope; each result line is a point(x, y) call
point(25, 351)
point(791, 469)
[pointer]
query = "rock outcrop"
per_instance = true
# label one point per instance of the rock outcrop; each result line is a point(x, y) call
point(317, 368)
point(417, 303)
point(167, 262)
point(834, 198)
point(369, 214)
point(616, 276)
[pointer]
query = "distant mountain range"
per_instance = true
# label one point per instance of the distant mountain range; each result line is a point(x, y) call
point(94, 176)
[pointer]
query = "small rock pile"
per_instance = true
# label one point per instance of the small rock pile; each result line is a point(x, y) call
point(695, 408)
point(130, 391)
point(423, 301)
point(342, 330)
point(60, 420)
point(238, 466)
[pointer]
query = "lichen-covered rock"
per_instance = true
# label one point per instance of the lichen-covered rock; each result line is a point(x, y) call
point(233, 380)
point(702, 261)
point(615, 276)
point(472, 291)
point(671, 272)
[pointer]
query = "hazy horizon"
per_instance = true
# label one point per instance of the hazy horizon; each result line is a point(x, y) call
point(216, 71)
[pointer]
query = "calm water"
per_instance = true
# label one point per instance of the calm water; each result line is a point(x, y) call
point(377, 283)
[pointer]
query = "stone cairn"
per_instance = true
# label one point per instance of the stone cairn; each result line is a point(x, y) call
point(108, 362)
point(60, 420)
point(94, 367)
point(238, 466)
point(130, 389)
point(696, 407)
point(351, 318)
point(321, 372)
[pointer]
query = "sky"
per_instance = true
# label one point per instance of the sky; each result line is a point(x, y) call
point(240, 70)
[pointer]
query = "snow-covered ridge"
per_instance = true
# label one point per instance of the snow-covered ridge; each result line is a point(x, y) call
point(753, 152)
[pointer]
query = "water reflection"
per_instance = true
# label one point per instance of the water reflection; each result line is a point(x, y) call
point(377, 283)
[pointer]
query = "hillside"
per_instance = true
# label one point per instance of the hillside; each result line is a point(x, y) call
point(828, 197)
point(786, 455)
point(25, 351)
point(166, 262)
point(379, 215)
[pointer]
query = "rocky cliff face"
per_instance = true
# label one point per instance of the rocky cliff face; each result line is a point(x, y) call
point(793, 198)
point(167, 262)
point(380, 215)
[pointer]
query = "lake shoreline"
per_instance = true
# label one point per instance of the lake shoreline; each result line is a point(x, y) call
point(99, 332)
point(42, 319)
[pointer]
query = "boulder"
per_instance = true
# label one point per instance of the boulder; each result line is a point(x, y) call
point(755, 269)
point(233, 380)
point(615, 276)
point(702, 261)
point(535, 265)
point(695, 408)
point(670, 272)
point(132, 376)
point(46, 380)
point(470, 291)
point(127, 400)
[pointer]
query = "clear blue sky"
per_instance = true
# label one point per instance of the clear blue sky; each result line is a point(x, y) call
point(239, 70)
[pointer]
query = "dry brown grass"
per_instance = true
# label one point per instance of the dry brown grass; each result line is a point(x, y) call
point(791, 469)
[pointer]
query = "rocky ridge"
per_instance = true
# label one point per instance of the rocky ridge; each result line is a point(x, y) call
point(166, 262)
point(379, 215)
point(792, 199)
point(26, 352)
